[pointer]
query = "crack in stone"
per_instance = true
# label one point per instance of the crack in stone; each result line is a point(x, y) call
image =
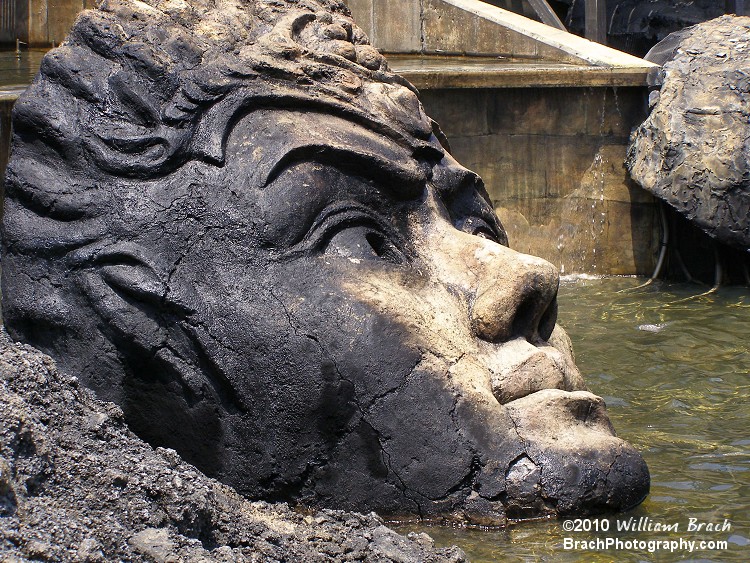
point(399, 387)
point(611, 466)
point(518, 433)
point(190, 242)
point(404, 488)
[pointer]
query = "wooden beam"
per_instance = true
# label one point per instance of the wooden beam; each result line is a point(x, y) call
point(546, 13)
point(596, 20)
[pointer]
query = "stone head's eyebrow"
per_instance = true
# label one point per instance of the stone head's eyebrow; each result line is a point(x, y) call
point(402, 178)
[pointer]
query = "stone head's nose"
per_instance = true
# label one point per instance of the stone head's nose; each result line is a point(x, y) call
point(516, 296)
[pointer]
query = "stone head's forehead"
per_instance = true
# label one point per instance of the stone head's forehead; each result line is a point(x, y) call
point(141, 91)
point(265, 142)
point(148, 85)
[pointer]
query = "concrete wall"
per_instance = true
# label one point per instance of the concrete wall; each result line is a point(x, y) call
point(473, 27)
point(438, 26)
point(13, 20)
point(38, 22)
point(552, 161)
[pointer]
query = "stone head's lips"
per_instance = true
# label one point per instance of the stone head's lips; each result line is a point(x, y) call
point(520, 368)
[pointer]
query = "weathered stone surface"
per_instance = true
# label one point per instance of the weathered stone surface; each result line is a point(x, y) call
point(77, 485)
point(233, 220)
point(692, 150)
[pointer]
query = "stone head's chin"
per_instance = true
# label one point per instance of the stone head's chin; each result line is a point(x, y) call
point(570, 464)
point(546, 447)
point(574, 464)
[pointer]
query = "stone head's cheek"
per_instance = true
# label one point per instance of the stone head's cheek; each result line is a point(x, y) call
point(443, 429)
point(428, 314)
point(439, 435)
point(369, 346)
point(286, 396)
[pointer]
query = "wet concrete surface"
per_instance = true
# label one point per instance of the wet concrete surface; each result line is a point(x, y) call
point(500, 72)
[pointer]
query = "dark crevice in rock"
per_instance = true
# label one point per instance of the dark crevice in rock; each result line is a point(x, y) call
point(213, 373)
point(467, 482)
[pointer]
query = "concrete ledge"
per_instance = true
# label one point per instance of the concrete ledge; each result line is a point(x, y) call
point(471, 44)
point(479, 72)
point(10, 94)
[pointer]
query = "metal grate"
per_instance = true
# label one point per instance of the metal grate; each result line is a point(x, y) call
point(7, 16)
point(7, 21)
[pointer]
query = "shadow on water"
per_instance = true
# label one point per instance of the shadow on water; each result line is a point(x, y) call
point(675, 374)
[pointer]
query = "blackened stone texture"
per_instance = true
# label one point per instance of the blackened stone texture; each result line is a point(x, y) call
point(234, 221)
point(77, 485)
point(692, 150)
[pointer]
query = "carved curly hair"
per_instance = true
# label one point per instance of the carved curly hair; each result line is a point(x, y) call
point(139, 90)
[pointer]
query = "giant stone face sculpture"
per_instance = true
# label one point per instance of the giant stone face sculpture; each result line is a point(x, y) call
point(232, 219)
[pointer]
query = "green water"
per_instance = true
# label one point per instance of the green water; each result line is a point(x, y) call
point(680, 392)
point(15, 71)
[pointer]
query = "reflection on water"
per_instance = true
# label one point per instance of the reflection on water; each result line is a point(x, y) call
point(675, 374)
point(19, 72)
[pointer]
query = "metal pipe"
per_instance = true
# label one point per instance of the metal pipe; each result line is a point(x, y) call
point(718, 269)
point(681, 263)
point(18, 47)
point(662, 251)
point(596, 20)
point(547, 14)
point(664, 242)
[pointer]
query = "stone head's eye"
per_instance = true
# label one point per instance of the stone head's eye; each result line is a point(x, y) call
point(355, 231)
point(363, 242)
point(382, 247)
point(485, 233)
